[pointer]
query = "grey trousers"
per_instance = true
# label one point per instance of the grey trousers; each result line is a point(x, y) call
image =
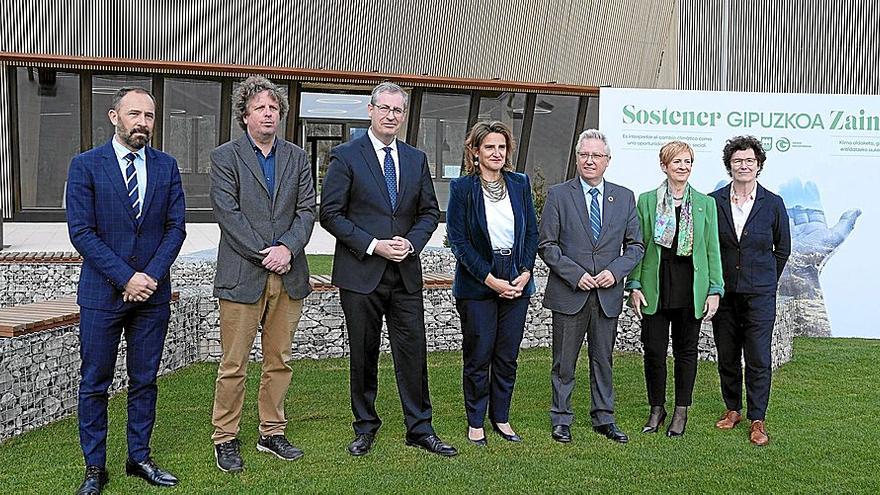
point(568, 338)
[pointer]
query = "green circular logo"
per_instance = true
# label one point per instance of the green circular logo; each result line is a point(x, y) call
point(783, 144)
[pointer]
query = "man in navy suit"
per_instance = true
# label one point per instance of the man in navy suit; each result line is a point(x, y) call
point(125, 216)
point(378, 201)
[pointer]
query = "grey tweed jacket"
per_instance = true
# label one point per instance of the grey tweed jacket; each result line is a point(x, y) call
point(252, 218)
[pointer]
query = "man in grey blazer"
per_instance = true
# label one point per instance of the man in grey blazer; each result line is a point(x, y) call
point(264, 202)
point(590, 239)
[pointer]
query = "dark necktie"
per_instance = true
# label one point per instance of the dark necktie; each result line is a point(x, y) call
point(390, 176)
point(131, 183)
point(595, 216)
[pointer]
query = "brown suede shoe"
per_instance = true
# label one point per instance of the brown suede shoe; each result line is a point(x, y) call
point(729, 420)
point(757, 433)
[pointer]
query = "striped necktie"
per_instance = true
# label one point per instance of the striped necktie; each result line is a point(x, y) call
point(131, 183)
point(595, 215)
point(390, 176)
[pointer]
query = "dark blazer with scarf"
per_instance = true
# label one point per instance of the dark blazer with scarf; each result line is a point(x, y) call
point(356, 208)
point(113, 243)
point(753, 263)
point(468, 234)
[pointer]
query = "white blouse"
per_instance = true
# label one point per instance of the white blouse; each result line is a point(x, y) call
point(499, 220)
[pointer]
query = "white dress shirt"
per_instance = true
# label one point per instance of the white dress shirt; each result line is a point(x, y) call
point(140, 165)
point(380, 155)
point(741, 212)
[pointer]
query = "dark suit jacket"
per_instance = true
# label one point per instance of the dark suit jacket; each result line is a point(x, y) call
point(753, 263)
point(356, 208)
point(468, 233)
point(566, 245)
point(102, 226)
point(252, 219)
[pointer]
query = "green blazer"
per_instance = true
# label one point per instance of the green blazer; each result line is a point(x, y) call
point(706, 256)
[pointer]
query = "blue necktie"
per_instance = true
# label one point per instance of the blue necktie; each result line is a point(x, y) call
point(390, 176)
point(131, 183)
point(595, 216)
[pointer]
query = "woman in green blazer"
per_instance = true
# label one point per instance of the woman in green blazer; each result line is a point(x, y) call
point(678, 283)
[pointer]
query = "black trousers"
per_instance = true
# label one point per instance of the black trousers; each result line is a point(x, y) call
point(685, 330)
point(405, 318)
point(743, 329)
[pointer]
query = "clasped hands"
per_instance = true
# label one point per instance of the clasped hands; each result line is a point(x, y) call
point(395, 249)
point(277, 259)
point(602, 280)
point(139, 288)
point(508, 290)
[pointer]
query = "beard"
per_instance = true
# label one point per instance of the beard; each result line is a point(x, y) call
point(136, 137)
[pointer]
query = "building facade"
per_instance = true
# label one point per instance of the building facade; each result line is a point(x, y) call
point(535, 64)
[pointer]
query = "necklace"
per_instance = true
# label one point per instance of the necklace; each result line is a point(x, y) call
point(495, 190)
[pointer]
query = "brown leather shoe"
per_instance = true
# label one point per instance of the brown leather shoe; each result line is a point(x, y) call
point(757, 433)
point(729, 420)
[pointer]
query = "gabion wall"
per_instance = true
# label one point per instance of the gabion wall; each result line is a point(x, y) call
point(39, 372)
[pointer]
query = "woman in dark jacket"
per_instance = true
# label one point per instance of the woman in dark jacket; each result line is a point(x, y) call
point(492, 229)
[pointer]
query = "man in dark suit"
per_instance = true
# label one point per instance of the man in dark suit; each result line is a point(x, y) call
point(755, 240)
point(125, 216)
point(378, 201)
point(264, 202)
point(590, 239)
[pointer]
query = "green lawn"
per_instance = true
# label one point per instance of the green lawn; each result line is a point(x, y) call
point(320, 264)
point(824, 423)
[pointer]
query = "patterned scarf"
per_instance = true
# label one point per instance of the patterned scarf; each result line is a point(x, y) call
point(664, 226)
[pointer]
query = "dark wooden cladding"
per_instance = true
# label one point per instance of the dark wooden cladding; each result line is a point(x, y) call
point(300, 74)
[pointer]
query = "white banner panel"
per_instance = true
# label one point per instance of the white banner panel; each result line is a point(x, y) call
point(823, 153)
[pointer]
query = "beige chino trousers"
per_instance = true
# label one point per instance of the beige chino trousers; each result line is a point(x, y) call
point(279, 315)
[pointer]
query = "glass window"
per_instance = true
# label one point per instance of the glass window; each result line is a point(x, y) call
point(235, 130)
point(442, 127)
point(190, 131)
point(103, 88)
point(553, 130)
point(508, 108)
point(48, 133)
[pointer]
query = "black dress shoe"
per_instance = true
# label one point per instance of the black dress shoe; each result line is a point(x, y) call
point(361, 444)
point(611, 432)
point(480, 442)
point(433, 444)
point(509, 438)
point(678, 422)
point(655, 419)
point(94, 481)
point(561, 433)
point(150, 472)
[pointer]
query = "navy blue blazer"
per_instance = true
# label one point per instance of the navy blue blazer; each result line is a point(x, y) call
point(102, 226)
point(753, 263)
point(468, 234)
point(356, 208)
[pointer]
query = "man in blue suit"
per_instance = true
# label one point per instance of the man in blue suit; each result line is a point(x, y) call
point(125, 216)
point(378, 201)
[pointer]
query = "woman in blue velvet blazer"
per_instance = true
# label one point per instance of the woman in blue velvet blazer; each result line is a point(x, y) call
point(493, 231)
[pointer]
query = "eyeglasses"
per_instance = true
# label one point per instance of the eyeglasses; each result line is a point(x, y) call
point(748, 161)
point(593, 156)
point(383, 110)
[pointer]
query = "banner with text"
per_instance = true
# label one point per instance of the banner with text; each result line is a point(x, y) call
point(823, 153)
